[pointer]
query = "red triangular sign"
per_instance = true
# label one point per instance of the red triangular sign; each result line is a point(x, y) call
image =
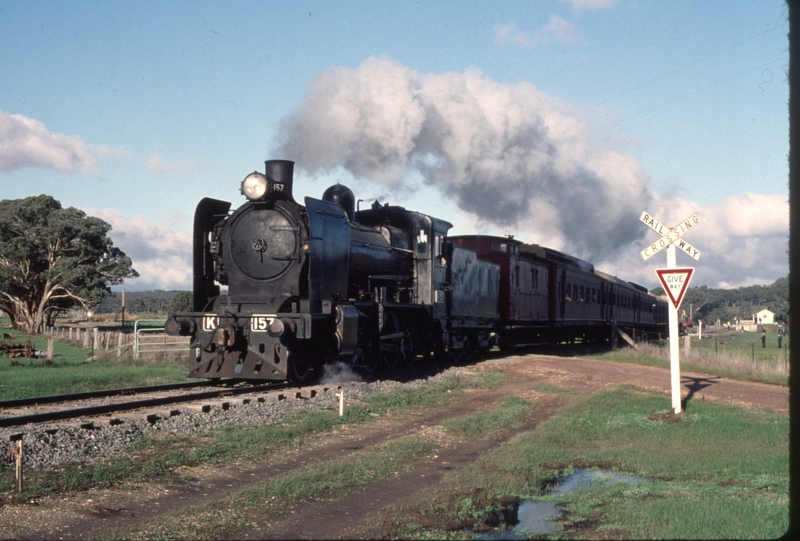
point(675, 282)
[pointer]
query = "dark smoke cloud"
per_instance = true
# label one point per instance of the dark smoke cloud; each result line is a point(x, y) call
point(507, 153)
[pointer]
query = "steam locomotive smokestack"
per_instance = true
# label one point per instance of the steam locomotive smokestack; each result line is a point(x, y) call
point(280, 173)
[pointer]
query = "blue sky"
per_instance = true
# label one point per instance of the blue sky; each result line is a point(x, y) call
point(556, 121)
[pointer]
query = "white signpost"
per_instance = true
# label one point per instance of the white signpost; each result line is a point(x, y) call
point(676, 283)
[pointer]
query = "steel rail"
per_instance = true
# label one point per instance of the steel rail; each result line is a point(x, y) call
point(52, 399)
point(61, 415)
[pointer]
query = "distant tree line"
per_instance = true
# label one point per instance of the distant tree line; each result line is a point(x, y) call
point(727, 305)
point(157, 302)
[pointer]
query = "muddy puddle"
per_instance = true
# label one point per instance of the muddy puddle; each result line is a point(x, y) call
point(535, 517)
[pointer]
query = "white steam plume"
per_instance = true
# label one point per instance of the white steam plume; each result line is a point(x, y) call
point(507, 153)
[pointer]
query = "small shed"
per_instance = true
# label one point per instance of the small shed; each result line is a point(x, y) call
point(764, 317)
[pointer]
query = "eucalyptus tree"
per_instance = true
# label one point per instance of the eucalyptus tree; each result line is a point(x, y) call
point(54, 258)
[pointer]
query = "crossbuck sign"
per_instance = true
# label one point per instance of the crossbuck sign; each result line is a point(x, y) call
point(675, 282)
point(670, 236)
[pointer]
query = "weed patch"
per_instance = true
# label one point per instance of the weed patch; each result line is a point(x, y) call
point(487, 424)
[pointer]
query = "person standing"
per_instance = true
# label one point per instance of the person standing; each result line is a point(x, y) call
point(764, 338)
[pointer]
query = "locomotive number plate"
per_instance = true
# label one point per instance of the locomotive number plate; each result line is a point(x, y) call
point(210, 322)
point(260, 323)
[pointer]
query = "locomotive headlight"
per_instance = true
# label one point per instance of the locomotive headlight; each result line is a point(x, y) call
point(254, 186)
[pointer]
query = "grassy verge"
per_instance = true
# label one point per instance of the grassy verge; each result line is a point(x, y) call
point(324, 481)
point(716, 461)
point(734, 355)
point(27, 381)
point(488, 424)
point(70, 373)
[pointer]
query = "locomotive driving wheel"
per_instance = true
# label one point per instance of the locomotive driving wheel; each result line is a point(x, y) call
point(299, 365)
point(367, 352)
point(390, 348)
point(408, 346)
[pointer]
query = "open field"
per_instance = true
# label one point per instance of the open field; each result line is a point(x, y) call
point(730, 354)
point(69, 371)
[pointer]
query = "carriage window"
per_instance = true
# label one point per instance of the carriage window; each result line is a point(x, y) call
point(438, 246)
point(422, 241)
point(535, 278)
point(499, 246)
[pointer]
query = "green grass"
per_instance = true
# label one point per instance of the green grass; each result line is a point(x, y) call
point(746, 344)
point(677, 510)
point(550, 388)
point(715, 461)
point(27, 381)
point(487, 424)
point(341, 476)
point(70, 373)
point(733, 355)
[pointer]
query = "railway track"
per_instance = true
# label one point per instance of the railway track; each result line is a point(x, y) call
point(44, 409)
point(102, 404)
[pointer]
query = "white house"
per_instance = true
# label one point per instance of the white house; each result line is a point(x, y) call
point(764, 317)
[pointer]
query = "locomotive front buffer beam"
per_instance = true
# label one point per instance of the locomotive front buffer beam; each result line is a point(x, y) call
point(253, 346)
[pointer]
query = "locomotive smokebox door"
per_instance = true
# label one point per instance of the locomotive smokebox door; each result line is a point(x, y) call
point(329, 258)
point(263, 243)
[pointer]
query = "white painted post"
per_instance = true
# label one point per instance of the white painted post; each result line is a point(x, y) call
point(674, 347)
point(341, 402)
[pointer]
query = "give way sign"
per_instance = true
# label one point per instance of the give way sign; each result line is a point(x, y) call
point(675, 282)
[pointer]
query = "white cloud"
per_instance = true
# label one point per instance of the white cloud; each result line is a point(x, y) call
point(562, 31)
point(161, 253)
point(579, 6)
point(25, 142)
point(556, 30)
point(107, 152)
point(157, 165)
point(509, 33)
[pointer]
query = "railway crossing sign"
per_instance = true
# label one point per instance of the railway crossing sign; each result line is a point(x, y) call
point(670, 236)
point(675, 282)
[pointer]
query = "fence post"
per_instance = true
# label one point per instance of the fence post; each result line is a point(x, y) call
point(50, 349)
point(18, 460)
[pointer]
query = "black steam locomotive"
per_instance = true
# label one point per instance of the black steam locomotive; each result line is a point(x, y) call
point(376, 287)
